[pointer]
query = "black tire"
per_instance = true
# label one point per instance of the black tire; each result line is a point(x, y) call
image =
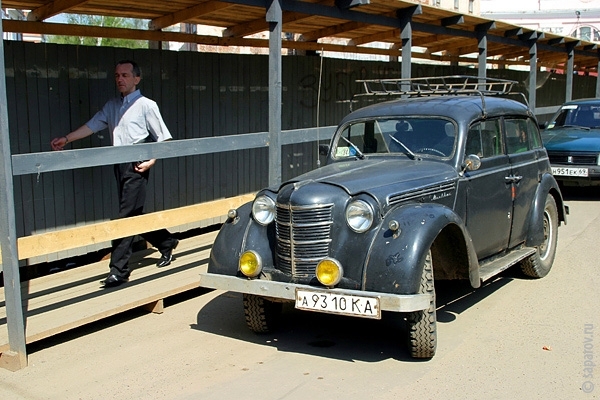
point(262, 315)
point(539, 264)
point(422, 325)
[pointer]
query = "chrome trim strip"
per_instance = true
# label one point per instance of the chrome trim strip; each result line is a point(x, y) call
point(424, 191)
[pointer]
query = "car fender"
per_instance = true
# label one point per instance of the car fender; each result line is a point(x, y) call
point(395, 260)
point(548, 185)
point(235, 236)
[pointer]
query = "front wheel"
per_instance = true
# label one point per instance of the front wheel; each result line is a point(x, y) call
point(422, 326)
point(538, 265)
point(262, 315)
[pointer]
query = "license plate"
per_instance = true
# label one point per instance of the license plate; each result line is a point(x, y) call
point(567, 171)
point(337, 303)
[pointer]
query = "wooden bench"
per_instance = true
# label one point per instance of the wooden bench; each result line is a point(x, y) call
point(65, 300)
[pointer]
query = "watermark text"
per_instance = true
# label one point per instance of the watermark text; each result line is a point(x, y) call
point(588, 358)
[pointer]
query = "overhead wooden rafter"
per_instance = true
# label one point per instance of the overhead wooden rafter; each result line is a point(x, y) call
point(444, 34)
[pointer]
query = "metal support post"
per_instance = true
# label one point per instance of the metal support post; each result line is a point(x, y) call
point(405, 17)
point(481, 32)
point(532, 74)
point(570, 70)
point(274, 18)
point(598, 77)
point(16, 357)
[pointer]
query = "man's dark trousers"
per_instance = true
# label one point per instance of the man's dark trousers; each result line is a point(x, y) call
point(131, 186)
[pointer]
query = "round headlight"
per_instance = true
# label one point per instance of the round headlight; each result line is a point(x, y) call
point(263, 210)
point(359, 216)
point(250, 264)
point(329, 272)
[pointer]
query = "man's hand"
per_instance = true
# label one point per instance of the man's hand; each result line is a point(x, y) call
point(59, 143)
point(143, 166)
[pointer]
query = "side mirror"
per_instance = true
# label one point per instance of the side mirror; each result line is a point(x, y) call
point(323, 149)
point(472, 163)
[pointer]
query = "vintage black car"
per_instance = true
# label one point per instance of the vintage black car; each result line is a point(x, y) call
point(451, 182)
point(572, 140)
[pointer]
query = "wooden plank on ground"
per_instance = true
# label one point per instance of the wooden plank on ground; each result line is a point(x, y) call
point(59, 302)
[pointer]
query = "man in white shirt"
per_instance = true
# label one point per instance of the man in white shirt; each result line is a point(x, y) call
point(130, 118)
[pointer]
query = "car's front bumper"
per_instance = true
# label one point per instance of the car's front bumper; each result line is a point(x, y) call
point(287, 291)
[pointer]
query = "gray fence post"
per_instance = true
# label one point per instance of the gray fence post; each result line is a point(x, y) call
point(274, 18)
point(16, 357)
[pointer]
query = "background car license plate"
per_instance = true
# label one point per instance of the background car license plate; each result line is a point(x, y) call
point(567, 171)
point(337, 303)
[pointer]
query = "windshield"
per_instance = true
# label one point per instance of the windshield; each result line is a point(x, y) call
point(585, 115)
point(410, 136)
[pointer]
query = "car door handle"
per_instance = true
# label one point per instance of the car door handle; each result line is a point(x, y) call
point(513, 179)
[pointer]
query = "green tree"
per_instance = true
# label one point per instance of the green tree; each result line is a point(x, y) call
point(105, 21)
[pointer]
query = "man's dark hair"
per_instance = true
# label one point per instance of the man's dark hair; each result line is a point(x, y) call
point(137, 71)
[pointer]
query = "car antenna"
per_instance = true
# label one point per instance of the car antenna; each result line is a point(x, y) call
point(319, 108)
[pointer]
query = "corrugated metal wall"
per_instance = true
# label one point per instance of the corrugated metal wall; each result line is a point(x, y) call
point(53, 89)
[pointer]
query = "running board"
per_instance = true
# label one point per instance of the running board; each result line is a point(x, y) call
point(494, 267)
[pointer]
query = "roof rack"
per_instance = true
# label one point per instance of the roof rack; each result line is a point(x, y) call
point(436, 86)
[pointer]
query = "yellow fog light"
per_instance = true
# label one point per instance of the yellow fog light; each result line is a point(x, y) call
point(250, 264)
point(329, 272)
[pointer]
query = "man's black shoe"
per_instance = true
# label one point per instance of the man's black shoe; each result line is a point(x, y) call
point(113, 281)
point(167, 256)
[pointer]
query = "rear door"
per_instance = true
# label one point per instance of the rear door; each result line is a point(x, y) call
point(524, 149)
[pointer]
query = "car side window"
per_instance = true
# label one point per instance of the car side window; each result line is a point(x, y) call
point(517, 135)
point(535, 139)
point(484, 139)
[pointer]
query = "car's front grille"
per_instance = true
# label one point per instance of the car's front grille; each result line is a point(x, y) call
point(303, 237)
point(574, 159)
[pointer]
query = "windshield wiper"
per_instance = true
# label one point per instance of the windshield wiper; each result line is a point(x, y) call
point(408, 151)
point(584, 128)
point(359, 153)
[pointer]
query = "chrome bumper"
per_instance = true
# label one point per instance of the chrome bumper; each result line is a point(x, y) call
point(287, 291)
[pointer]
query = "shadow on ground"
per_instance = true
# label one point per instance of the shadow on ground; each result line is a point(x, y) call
point(110, 321)
point(322, 335)
point(573, 193)
point(341, 337)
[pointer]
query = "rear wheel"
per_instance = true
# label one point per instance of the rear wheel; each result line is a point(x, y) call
point(539, 264)
point(422, 326)
point(262, 315)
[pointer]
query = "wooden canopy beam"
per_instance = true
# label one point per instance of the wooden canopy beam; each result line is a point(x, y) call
point(261, 25)
point(392, 34)
point(453, 20)
point(187, 14)
point(53, 8)
point(332, 31)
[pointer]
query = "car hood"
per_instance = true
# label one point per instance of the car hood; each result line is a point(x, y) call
point(571, 139)
point(381, 178)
